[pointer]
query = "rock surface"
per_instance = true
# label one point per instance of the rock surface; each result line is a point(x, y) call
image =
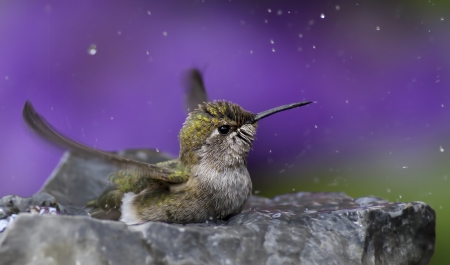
point(296, 228)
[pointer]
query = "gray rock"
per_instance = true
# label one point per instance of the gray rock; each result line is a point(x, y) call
point(296, 228)
point(334, 230)
point(11, 204)
point(36, 239)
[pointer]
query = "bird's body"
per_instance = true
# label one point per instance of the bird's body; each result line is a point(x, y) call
point(209, 180)
point(207, 194)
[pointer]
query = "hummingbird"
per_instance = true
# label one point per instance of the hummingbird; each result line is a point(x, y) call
point(209, 180)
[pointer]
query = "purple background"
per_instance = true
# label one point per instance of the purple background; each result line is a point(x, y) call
point(379, 72)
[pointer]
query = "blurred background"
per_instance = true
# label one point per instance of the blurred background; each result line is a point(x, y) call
point(108, 74)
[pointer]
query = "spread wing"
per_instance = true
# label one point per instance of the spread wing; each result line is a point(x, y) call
point(137, 168)
point(195, 89)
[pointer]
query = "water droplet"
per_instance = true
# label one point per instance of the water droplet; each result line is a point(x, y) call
point(445, 177)
point(272, 42)
point(119, 32)
point(256, 192)
point(251, 52)
point(338, 7)
point(442, 105)
point(279, 12)
point(346, 101)
point(314, 46)
point(269, 10)
point(322, 15)
point(273, 49)
point(270, 151)
point(388, 190)
point(400, 196)
point(405, 166)
point(378, 28)
point(315, 126)
point(266, 21)
point(441, 149)
point(442, 18)
point(300, 35)
point(6, 77)
point(157, 150)
point(149, 13)
point(165, 33)
point(112, 118)
point(92, 50)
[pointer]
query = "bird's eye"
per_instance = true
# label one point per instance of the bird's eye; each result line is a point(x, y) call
point(224, 129)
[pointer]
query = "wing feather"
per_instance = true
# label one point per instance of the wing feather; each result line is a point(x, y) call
point(38, 123)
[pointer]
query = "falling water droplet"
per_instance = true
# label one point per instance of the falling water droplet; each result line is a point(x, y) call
point(322, 15)
point(92, 50)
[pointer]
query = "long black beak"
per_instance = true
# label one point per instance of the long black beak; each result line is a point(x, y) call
point(269, 112)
